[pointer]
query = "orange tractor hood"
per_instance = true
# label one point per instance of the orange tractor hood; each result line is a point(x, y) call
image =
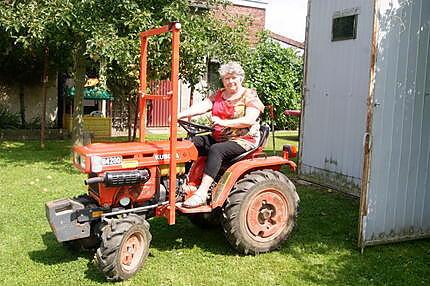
point(132, 155)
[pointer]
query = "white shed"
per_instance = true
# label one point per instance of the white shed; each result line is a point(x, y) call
point(365, 125)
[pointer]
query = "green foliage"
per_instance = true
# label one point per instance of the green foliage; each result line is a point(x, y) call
point(206, 37)
point(204, 119)
point(107, 33)
point(9, 120)
point(28, 28)
point(110, 31)
point(276, 73)
point(34, 123)
point(17, 64)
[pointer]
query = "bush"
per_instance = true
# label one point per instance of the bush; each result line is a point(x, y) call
point(9, 120)
point(276, 74)
point(35, 124)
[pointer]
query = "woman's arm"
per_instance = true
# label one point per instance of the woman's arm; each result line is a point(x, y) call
point(196, 109)
point(250, 118)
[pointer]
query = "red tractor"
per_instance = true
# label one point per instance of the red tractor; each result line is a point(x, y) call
point(128, 183)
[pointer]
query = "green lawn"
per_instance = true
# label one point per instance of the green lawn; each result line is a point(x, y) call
point(322, 251)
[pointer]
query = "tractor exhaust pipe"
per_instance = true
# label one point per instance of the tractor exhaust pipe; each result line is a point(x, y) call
point(121, 178)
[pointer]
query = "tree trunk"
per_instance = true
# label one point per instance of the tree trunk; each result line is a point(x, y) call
point(136, 115)
point(22, 104)
point(44, 94)
point(192, 88)
point(129, 117)
point(78, 108)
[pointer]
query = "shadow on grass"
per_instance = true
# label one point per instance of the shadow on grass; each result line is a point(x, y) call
point(325, 245)
point(55, 252)
point(325, 220)
point(287, 137)
point(185, 235)
point(182, 235)
point(56, 154)
point(93, 273)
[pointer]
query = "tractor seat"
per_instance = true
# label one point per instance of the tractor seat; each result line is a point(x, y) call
point(264, 134)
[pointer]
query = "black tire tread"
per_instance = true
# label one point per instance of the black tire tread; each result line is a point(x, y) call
point(112, 235)
point(232, 207)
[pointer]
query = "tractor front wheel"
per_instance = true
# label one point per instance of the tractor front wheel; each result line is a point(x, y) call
point(124, 247)
point(260, 212)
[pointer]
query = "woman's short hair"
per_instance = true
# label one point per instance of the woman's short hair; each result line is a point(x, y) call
point(231, 67)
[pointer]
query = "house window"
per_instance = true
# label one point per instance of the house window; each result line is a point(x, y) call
point(344, 28)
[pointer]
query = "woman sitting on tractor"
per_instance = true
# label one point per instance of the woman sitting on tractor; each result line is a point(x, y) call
point(235, 112)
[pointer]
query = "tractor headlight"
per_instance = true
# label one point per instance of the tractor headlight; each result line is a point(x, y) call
point(96, 164)
point(83, 163)
point(79, 160)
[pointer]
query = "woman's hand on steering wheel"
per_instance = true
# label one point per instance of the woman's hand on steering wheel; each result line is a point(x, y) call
point(194, 128)
point(217, 121)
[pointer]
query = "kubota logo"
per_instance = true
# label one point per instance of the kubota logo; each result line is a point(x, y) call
point(165, 156)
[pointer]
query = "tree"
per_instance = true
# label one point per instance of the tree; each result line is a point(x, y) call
point(276, 73)
point(19, 67)
point(107, 32)
point(23, 52)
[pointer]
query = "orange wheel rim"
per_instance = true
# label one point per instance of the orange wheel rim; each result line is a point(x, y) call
point(132, 251)
point(267, 214)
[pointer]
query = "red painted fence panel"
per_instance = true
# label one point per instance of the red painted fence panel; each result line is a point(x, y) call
point(159, 110)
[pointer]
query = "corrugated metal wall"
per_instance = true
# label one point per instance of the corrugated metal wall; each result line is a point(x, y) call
point(336, 89)
point(398, 195)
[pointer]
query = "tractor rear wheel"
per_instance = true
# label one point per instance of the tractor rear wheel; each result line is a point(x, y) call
point(124, 247)
point(260, 212)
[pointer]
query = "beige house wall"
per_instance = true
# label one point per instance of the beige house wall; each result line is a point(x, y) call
point(33, 95)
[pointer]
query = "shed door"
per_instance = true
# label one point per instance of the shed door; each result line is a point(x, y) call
point(396, 196)
point(336, 88)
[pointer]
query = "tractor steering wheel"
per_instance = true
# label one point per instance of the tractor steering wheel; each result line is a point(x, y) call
point(194, 129)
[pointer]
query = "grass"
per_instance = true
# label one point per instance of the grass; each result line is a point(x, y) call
point(322, 251)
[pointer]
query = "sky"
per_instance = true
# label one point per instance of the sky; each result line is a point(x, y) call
point(287, 17)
